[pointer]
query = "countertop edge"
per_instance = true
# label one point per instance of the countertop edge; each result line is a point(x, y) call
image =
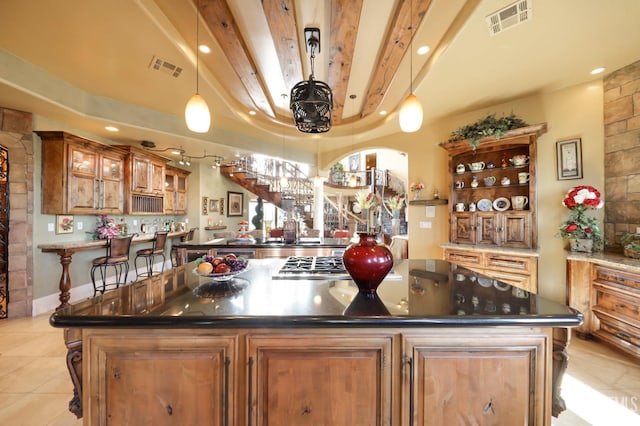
point(261, 322)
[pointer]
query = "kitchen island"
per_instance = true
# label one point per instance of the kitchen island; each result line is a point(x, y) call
point(438, 343)
point(187, 251)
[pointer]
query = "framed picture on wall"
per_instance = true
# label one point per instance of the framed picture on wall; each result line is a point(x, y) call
point(205, 205)
point(221, 206)
point(64, 224)
point(235, 201)
point(569, 159)
point(213, 205)
point(354, 162)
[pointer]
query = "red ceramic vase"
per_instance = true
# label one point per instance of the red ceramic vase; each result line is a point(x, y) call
point(367, 262)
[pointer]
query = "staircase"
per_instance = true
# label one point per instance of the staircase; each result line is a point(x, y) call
point(261, 176)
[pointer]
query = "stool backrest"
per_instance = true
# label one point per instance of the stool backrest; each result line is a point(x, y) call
point(159, 240)
point(119, 246)
point(192, 231)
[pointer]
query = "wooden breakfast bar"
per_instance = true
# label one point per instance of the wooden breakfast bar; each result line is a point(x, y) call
point(66, 250)
point(438, 342)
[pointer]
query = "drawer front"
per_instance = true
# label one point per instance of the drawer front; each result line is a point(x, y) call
point(516, 280)
point(619, 333)
point(520, 264)
point(462, 257)
point(617, 303)
point(607, 275)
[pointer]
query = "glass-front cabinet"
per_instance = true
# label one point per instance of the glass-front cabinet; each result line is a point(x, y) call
point(80, 176)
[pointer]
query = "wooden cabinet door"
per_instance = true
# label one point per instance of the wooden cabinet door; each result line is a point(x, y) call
point(82, 195)
point(111, 184)
point(181, 194)
point(319, 380)
point(493, 378)
point(138, 379)
point(486, 224)
point(140, 175)
point(463, 228)
point(515, 229)
point(156, 177)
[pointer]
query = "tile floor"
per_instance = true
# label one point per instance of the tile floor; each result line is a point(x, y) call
point(601, 387)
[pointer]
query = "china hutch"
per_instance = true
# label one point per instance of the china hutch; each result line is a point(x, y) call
point(492, 205)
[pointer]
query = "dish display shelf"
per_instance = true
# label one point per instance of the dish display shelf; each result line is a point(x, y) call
point(498, 209)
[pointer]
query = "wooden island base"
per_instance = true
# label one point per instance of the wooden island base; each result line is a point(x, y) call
point(285, 352)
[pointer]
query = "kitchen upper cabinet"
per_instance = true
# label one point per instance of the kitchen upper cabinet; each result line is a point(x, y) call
point(319, 380)
point(80, 176)
point(145, 173)
point(175, 190)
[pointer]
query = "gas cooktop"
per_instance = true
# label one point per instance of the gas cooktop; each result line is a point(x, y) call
point(312, 267)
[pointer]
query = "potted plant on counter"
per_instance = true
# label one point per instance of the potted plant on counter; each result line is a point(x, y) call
point(580, 229)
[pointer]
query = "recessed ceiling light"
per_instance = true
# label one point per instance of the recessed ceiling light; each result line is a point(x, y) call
point(112, 128)
point(422, 50)
point(383, 112)
point(597, 70)
point(252, 112)
point(204, 48)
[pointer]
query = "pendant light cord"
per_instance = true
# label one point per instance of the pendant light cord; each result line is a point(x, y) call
point(197, 46)
point(411, 46)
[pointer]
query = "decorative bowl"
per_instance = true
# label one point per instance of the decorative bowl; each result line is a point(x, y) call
point(225, 276)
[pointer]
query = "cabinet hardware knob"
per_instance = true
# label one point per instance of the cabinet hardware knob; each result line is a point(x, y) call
point(169, 410)
point(488, 407)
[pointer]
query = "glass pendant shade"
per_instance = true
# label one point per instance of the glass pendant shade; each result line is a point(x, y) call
point(284, 182)
point(197, 115)
point(410, 114)
point(352, 181)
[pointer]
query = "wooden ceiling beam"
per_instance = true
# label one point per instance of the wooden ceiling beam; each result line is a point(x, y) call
point(345, 18)
point(281, 17)
point(219, 19)
point(397, 42)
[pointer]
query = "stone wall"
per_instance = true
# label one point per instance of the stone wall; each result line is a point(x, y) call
point(16, 137)
point(622, 152)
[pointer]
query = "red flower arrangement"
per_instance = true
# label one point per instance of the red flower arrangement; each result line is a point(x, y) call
point(578, 200)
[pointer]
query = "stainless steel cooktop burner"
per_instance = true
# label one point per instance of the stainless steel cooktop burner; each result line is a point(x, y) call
point(310, 267)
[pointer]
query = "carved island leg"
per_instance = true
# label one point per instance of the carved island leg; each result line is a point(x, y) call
point(560, 362)
point(65, 278)
point(73, 341)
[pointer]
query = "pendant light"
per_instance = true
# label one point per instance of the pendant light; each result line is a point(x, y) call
point(196, 113)
point(410, 116)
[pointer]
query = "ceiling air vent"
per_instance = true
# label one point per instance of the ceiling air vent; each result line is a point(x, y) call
point(160, 64)
point(509, 16)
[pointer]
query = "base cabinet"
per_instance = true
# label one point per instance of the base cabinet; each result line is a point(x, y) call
point(519, 270)
point(387, 377)
point(457, 380)
point(609, 297)
point(328, 380)
point(153, 380)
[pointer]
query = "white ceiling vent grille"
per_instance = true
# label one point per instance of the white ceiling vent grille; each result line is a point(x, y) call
point(509, 16)
point(160, 64)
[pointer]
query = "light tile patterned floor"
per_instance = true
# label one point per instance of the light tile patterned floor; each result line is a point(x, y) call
point(602, 387)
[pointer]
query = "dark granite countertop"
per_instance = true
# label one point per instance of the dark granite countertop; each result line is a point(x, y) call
point(418, 293)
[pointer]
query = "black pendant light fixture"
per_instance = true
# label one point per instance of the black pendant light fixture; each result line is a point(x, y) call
point(312, 100)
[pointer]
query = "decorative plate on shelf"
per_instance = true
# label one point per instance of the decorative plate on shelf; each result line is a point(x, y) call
point(484, 205)
point(501, 204)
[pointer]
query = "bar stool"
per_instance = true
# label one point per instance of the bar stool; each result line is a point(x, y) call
point(149, 254)
point(117, 256)
point(184, 238)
